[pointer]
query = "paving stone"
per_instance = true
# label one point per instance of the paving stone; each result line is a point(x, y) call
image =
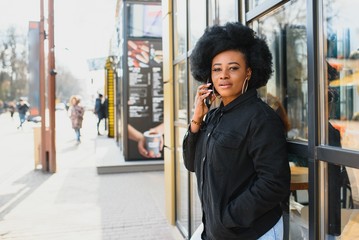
point(75, 202)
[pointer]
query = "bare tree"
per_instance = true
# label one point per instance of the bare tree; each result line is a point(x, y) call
point(13, 65)
point(14, 77)
point(66, 84)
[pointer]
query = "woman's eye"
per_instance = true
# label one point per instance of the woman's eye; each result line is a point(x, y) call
point(216, 69)
point(233, 68)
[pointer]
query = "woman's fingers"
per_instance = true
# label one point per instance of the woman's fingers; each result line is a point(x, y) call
point(203, 91)
point(203, 87)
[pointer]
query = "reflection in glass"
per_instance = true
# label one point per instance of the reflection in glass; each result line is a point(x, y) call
point(221, 12)
point(343, 195)
point(342, 41)
point(196, 21)
point(145, 20)
point(196, 210)
point(341, 36)
point(286, 91)
point(182, 204)
point(179, 27)
point(193, 91)
point(336, 177)
point(250, 4)
point(181, 101)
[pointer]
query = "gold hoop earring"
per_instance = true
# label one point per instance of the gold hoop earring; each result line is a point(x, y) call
point(244, 89)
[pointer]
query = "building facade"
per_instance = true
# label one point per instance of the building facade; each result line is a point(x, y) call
point(315, 86)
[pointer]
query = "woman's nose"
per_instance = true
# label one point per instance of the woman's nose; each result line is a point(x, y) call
point(224, 74)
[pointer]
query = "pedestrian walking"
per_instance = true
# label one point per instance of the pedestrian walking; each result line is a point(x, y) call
point(237, 150)
point(101, 105)
point(11, 106)
point(76, 112)
point(22, 108)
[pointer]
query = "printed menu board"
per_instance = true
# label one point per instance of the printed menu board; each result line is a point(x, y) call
point(145, 87)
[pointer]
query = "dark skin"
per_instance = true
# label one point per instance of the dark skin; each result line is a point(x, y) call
point(229, 76)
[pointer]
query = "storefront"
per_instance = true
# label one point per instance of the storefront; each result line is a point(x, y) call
point(315, 85)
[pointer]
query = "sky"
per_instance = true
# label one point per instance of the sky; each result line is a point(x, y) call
point(83, 28)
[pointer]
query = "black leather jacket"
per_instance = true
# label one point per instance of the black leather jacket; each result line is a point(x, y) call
point(241, 163)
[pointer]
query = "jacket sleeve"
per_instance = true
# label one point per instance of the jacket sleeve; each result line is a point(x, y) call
point(268, 150)
point(189, 149)
point(81, 111)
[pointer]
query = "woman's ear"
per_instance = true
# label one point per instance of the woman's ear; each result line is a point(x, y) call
point(249, 73)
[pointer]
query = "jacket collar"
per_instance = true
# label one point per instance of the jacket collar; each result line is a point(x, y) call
point(250, 94)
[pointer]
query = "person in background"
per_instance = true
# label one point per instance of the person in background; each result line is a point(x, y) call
point(237, 150)
point(11, 107)
point(275, 103)
point(105, 111)
point(76, 113)
point(100, 111)
point(22, 108)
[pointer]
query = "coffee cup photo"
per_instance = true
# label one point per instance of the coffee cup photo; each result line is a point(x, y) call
point(153, 143)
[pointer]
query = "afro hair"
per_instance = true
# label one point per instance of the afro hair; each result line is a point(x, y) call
point(232, 36)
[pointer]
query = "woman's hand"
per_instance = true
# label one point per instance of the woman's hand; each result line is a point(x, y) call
point(200, 108)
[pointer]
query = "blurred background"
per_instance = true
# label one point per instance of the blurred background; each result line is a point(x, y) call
point(82, 36)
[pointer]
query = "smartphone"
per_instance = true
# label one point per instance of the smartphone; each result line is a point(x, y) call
point(208, 100)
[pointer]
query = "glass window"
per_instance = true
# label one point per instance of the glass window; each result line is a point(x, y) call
point(194, 84)
point(196, 209)
point(145, 20)
point(342, 208)
point(341, 91)
point(179, 27)
point(221, 12)
point(250, 4)
point(181, 101)
point(286, 91)
point(182, 184)
point(197, 20)
point(342, 63)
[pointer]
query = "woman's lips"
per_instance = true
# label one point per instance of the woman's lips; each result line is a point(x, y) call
point(225, 85)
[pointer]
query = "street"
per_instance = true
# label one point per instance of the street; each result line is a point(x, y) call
point(75, 202)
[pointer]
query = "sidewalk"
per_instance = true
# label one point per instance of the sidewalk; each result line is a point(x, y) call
point(76, 202)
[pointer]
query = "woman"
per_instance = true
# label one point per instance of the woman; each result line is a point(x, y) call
point(238, 150)
point(76, 116)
